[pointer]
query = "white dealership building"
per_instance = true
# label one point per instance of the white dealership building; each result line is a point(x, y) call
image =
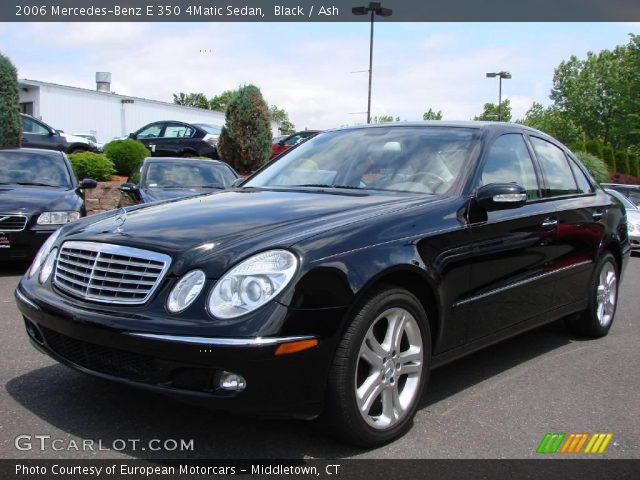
point(101, 112)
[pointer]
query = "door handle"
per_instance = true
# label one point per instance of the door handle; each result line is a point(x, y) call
point(549, 223)
point(597, 215)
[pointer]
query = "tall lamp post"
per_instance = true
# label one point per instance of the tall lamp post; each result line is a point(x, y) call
point(500, 75)
point(374, 8)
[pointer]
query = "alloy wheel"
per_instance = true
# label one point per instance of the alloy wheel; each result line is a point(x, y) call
point(389, 368)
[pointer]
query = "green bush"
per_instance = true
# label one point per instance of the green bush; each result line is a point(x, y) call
point(126, 155)
point(595, 165)
point(10, 123)
point(622, 162)
point(594, 147)
point(609, 158)
point(245, 140)
point(92, 165)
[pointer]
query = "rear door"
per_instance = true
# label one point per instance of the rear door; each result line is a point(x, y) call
point(174, 140)
point(581, 210)
point(512, 250)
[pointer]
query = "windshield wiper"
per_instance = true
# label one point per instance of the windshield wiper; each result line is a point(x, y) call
point(326, 185)
point(29, 183)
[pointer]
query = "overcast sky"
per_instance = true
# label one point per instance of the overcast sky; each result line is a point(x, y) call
point(305, 67)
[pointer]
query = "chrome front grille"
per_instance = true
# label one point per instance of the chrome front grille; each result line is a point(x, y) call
point(12, 223)
point(108, 273)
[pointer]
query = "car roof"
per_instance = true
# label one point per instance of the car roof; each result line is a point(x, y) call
point(475, 124)
point(41, 151)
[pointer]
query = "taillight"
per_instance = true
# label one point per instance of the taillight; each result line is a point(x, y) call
point(211, 139)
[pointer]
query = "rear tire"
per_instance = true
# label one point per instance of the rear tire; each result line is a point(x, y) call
point(380, 369)
point(597, 319)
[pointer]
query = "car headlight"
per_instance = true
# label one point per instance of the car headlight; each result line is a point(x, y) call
point(186, 291)
point(43, 252)
point(252, 283)
point(47, 266)
point(57, 218)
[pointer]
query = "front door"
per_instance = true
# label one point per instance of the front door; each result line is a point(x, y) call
point(512, 250)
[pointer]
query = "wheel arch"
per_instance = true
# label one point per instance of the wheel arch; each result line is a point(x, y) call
point(414, 280)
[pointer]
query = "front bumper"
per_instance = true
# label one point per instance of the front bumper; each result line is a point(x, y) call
point(186, 366)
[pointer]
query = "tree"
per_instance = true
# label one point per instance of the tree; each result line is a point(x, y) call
point(281, 117)
point(491, 112)
point(384, 119)
point(10, 123)
point(553, 122)
point(601, 94)
point(245, 140)
point(432, 115)
point(198, 100)
point(220, 102)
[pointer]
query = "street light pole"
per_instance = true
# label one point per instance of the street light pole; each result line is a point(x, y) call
point(374, 8)
point(370, 70)
point(500, 75)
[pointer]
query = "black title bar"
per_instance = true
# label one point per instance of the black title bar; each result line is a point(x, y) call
point(318, 10)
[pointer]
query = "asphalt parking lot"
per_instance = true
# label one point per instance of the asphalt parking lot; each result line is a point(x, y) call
point(497, 403)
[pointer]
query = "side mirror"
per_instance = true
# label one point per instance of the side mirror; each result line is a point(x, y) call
point(88, 183)
point(236, 182)
point(501, 196)
point(281, 143)
point(128, 187)
point(132, 135)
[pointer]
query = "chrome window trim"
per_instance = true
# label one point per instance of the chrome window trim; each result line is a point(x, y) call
point(222, 342)
point(26, 220)
point(109, 248)
point(519, 283)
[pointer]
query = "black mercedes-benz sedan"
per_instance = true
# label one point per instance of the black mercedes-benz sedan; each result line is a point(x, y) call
point(168, 178)
point(332, 280)
point(38, 193)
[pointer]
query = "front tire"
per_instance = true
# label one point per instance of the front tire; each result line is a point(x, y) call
point(597, 319)
point(380, 369)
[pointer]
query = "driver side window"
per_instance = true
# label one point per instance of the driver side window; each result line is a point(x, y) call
point(508, 161)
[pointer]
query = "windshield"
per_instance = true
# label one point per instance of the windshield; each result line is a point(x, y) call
point(408, 159)
point(212, 129)
point(28, 168)
point(184, 175)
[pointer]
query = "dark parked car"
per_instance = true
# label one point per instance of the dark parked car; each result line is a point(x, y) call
point(336, 277)
point(286, 143)
point(178, 139)
point(168, 178)
point(632, 192)
point(38, 193)
point(37, 134)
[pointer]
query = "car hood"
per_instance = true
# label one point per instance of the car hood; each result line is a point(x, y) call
point(159, 194)
point(74, 139)
point(30, 200)
point(214, 231)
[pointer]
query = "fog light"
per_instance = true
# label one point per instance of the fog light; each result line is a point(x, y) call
point(231, 382)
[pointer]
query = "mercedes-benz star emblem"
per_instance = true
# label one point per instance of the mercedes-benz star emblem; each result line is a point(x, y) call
point(120, 218)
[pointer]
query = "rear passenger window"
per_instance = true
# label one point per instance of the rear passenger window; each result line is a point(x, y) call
point(584, 185)
point(508, 161)
point(555, 166)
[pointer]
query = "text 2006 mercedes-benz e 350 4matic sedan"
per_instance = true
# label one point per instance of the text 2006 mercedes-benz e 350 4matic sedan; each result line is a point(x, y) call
point(335, 278)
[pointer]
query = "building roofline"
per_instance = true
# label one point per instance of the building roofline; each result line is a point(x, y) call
point(39, 83)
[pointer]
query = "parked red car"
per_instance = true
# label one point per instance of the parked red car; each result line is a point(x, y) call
point(288, 142)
